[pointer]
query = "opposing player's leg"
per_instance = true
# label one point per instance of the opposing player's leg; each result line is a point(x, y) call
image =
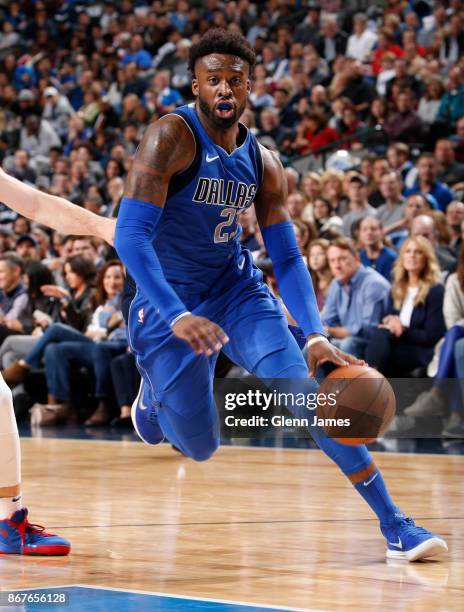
point(17, 535)
point(175, 399)
point(277, 356)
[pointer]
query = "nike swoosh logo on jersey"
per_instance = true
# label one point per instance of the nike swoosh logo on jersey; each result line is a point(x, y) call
point(398, 544)
point(368, 482)
point(210, 159)
point(241, 264)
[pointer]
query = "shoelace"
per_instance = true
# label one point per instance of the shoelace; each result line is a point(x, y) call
point(25, 527)
point(411, 526)
point(153, 415)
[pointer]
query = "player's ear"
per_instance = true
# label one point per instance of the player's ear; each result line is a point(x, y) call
point(195, 86)
point(248, 86)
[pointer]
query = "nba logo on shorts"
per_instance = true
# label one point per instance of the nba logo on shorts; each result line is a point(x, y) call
point(141, 315)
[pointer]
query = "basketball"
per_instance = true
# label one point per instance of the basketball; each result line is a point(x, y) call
point(365, 400)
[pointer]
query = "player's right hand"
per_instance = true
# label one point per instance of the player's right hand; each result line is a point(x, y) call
point(204, 336)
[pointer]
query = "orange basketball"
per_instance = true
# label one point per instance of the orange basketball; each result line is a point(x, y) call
point(364, 407)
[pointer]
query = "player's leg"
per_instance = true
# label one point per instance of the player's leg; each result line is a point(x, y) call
point(17, 535)
point(287, 362)
point(175, 399)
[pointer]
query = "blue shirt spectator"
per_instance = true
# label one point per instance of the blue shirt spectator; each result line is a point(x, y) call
point(427, 182)
point(356, 299)
point(358, 304)
point(383, 264)
point(137, 54)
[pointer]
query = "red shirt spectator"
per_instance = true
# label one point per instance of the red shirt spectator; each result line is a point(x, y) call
point(314, 133)
point(386, 44)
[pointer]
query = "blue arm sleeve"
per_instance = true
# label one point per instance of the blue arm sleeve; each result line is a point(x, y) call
point(293, 279)
point(135, 230)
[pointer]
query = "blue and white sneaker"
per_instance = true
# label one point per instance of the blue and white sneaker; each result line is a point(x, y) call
point(144, 416)
point(407, 541)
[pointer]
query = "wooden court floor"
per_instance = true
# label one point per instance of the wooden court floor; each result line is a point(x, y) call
point(278, 527)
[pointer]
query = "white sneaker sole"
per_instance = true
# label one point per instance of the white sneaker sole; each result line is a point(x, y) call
point(429, 548)
point(134, 420)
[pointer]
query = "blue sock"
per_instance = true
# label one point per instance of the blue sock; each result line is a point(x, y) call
point(352, 459)
point(374, 490)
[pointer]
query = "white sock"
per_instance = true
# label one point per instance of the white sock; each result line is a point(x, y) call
point(10, 452)
point(9, 505)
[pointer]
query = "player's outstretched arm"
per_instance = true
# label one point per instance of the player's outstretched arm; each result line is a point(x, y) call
point(293, 278)
point(52, 211)
point(166, 149)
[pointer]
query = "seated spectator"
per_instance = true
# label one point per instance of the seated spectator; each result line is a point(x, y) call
point(304, 233)
point(452, 103)
point(26, 247)
point(319, 269)
point(436, 401)
point(37, 137)
point(449, 171)
point(427, 182)
point(430, 101)
point(425, 225)
point(398, 231)
point(137, 54)
point(380, 167)
point(328, 224)
point(313, 133)
point(13, 294)
point(350, 125)
point(103, 340)
point(311, 189)
point(355, 301)
point(403, 123)
point(373, 253)
point(57, 110)
point(362, 41)
point(398, 159)
point(332, 190)
point(454, 219)
point(404, 80)
point(331, 41)
point(358, 206)
point(386, 44)
point(271, 126)
point(393, 209)
point(76, 307)
point(295, 204)
point(413, 322)
point(20, 167)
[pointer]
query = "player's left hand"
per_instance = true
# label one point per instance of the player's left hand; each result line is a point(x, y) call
point(323, 352)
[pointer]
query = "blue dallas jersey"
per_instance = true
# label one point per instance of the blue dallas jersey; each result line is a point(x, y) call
point(197, 236)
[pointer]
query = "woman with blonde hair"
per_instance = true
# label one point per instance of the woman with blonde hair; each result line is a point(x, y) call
point(319, 269)
point(413, 321)
point(332, 189)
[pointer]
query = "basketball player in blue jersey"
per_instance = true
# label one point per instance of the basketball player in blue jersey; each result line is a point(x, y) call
point(197, 291)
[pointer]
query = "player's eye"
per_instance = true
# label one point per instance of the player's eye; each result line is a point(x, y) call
point(212, 81)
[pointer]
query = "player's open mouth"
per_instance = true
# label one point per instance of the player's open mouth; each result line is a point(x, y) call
point(225, 110)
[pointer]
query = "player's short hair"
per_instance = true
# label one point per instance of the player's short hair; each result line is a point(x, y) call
point(222, 41)
point(345, 244)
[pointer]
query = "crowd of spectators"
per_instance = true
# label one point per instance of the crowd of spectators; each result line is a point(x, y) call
point(367, 97)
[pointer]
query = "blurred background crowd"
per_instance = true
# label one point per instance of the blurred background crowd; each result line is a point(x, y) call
point(364, 104)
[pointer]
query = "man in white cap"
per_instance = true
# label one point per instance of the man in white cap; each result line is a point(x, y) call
point(57, 110)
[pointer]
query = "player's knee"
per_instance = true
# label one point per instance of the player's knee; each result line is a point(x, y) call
point(204, 450)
